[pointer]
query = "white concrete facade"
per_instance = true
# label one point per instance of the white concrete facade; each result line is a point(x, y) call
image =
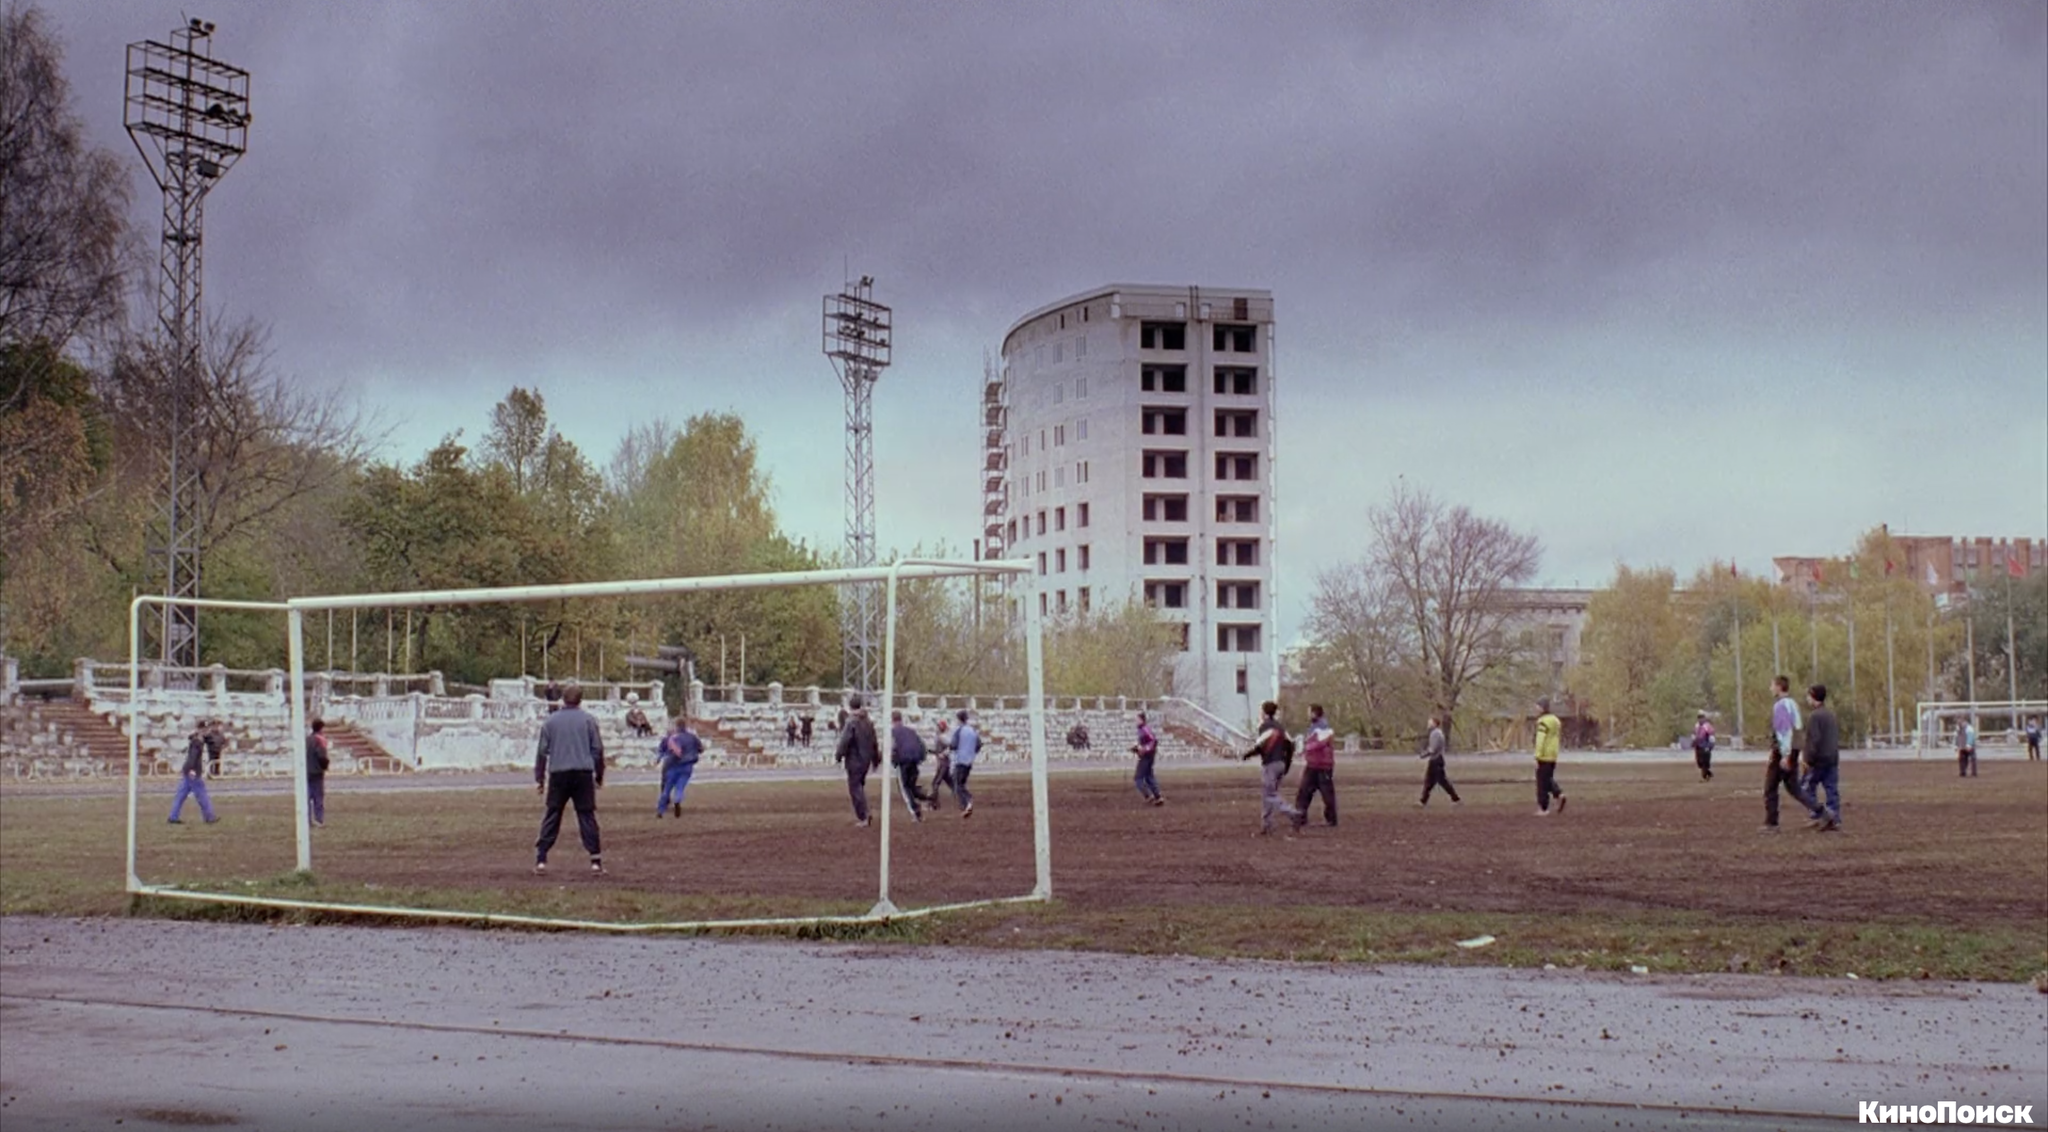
point(1130, 451)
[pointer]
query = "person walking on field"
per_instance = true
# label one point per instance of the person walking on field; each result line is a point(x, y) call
point(568, 769)
point(966, 748)
point(942, 773)
point(2033, 740)
point(858, 750)
point(1782, 771)
point(1275, 752)
point(1823, 762)
point(1147, 750)
point(192, 779)
point(1548, 730)
point(1433, 753)
point(679, 751)
point(906, 750)
point(1319, 769)
point(317, 762)
point(1966, 749)
point(1703, 747)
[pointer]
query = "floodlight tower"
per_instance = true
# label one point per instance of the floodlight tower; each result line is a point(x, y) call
point(857, 334)
point(188, 115)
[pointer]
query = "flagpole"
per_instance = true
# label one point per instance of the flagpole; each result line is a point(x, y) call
point(1891, 688)
point(1738, 652)
point(2012, 656)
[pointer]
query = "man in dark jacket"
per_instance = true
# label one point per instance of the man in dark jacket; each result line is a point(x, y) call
point(1823, 761)
point(1275, 752)
point(859, 750)
point(192, 778)
point(906, 750)
point(569, 769)
point(216, 742)
point(317, 762)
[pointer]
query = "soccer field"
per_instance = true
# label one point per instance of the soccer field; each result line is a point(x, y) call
point(1934, 875)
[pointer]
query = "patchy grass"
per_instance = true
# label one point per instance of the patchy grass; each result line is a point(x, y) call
point(1936, 877)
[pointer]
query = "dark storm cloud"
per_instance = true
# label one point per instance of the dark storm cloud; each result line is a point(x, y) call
point(448, 181)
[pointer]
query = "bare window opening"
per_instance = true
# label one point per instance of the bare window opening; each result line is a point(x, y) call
point(1166, 595)
point(1011, 530)
point(1237, 638)
point(1237, 466)
point(1166, 551)
point(1059, 518)
point(1163, 335)
point(1155, 421)
point(1166, 508)
point(1226, 338)
point(1166, 465)
point(1237, 380)
point(1060, 560)
point(1237, 508)
point(1237, 422)
point(1059, 435)
point(1083, 516)
point(1163, 379)
point(1243, 682)
point(1041, 562)
point(1084, 559)
point(1237, 595)
point(1041, 522)
point(1240, 309)
point(1237, 552)
point(1082, 596)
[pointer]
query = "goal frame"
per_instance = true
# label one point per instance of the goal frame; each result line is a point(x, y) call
point(889, 576)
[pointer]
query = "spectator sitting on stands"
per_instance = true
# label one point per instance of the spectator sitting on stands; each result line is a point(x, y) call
point(635, 718)
point(1077, 737)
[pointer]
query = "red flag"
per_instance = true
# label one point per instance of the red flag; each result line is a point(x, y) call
point(2013, 567)
point(1887, 567)
point(1816, 571)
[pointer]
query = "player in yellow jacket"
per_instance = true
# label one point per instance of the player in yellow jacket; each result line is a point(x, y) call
point(1547, 729)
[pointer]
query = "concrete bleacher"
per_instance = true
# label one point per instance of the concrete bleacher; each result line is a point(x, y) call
point(1005, 733)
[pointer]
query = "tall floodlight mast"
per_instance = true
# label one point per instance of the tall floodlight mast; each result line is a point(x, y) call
point(857, 333)
point(188, 115)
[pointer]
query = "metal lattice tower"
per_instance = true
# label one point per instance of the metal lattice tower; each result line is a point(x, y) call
point(188, 115)
point(857, 333)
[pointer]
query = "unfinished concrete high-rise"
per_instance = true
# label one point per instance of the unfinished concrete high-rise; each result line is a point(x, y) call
point(1128, 450)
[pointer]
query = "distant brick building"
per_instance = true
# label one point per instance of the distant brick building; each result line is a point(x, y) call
point(1942, 565)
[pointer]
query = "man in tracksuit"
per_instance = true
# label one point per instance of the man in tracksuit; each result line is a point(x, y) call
point(1703, 747)
point(1275, 751)
point(1823, 761)
point(1966, 749)
point(1319, 773)
point(942, 774)
point(1147, 750)
point(317, 762)
point(680, 750)
point(192, 779)
point(1433, 752)
point(1782, 772)
point(966, 746)
point(569, 769)
point(858, 750)
point(1548, 729)
point(906, 750)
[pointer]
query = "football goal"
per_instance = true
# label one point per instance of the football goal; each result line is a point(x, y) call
point(295, 611)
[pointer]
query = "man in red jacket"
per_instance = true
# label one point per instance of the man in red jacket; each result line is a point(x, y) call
point(1319, 754)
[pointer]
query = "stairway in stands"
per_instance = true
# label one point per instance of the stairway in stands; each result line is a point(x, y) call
point(351, 750)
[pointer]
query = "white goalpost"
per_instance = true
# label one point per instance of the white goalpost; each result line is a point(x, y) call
point(884, 909)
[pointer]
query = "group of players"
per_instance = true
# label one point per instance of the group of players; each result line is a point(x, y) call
point(1804, 764)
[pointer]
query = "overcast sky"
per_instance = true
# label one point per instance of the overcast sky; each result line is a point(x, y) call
point(1658, 282)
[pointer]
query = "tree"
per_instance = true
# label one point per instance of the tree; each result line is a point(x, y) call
point(1639, 661)
point(1451, 573)
point(1361, 662)
point(1125, 649)
point(518, 436)
point(64, 243)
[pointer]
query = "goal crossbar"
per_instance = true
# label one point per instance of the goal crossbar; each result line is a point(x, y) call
point(890, 575)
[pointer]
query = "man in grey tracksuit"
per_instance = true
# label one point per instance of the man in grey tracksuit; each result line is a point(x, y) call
point(858, 749)
point(1433, 753)
point(569, 769)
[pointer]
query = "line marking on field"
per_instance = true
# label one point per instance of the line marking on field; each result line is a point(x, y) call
point(958, 1064)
